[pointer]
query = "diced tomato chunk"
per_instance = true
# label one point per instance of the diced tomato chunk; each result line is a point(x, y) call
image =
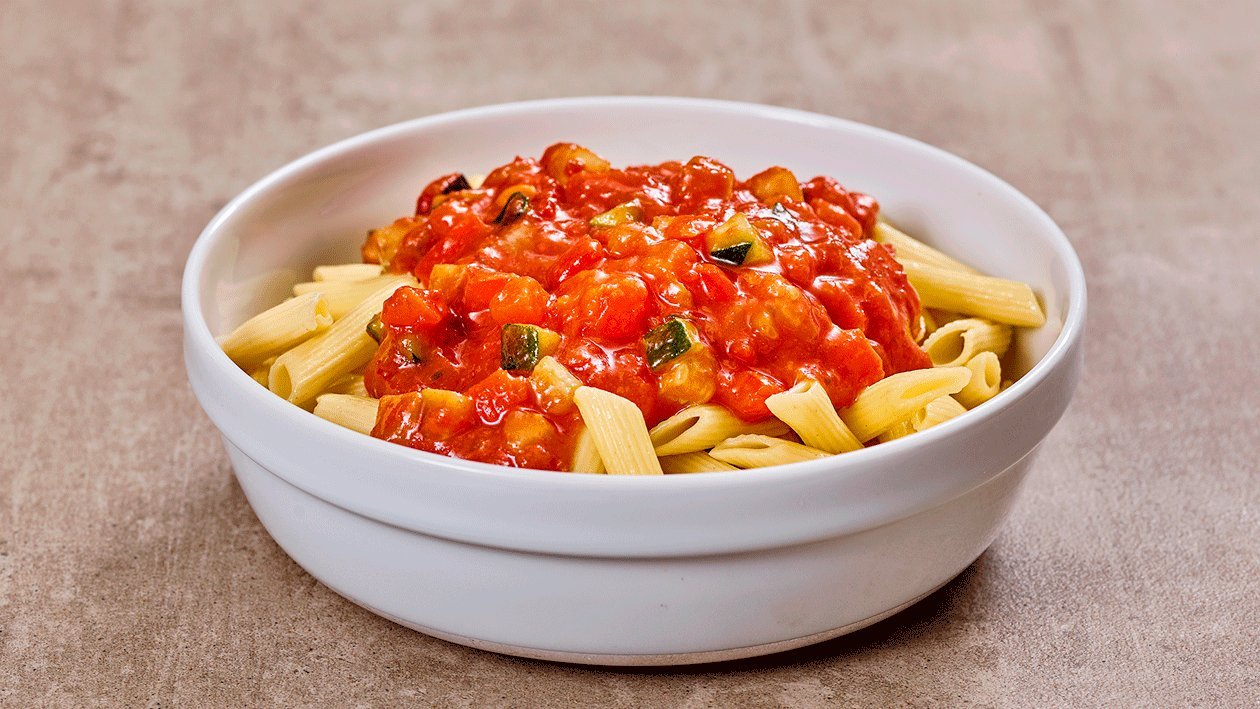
point(521, 300)
point(411, 307)
point(498, 393)
point(744, 392)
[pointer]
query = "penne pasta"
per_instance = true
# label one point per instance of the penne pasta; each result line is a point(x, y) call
point(703, 426)
point(998, 299)
point(807, 410)
point(347, 272)
point(357, 413)
point(901, 429)
point(985, 381)
point(308, 369)
point(757, 451)
point(955, 343)
point(260, 374)
point(586, 457)
point(277, 329)
point(349, 384)
point(697, 462)
point(908, 248)
point(620, 434)
point(881, 405)
point(937, 411)
point(344, 296)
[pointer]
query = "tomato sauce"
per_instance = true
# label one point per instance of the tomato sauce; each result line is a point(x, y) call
point(537, 244)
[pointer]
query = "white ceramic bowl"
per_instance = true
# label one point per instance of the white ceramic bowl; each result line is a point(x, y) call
point(626, 570)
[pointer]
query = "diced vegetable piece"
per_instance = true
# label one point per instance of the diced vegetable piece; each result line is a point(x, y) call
point(563, 159)
point(376, 328)
point(621, 214)
point(414, 347)
point(459, 183)
point(516, 206)
point(774, 184)
point(506, 193)
point(445, 413)
point(737, 242)
point(521, 346)
point(554, 385)
point(446, 278)
point(669, 340)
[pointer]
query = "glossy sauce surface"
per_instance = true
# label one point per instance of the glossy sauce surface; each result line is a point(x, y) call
point(826, 303)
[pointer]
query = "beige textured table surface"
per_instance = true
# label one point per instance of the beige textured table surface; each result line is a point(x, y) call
point(133, 571)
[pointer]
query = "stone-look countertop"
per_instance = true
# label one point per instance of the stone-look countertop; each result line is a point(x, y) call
point(132, 571)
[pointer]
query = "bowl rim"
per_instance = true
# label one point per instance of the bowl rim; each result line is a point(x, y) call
point(241, 387)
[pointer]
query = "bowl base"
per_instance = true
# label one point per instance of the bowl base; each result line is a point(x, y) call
point(653, 660)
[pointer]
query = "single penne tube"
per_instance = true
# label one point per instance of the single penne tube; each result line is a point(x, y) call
point(906, 247)
point(985, 381)
point(998, 299)
point(260, 374)
point(807, 410)
point(697, 462)
point(308, 369)
point(955, 343)
point(357, 413)
point(347, 272)
point(938, 410)
point(703, 426)
point(586, 457)
point(620, 433)
point(344, 296)
point(757, 451)
point(901, 429)
point(349, 384)
point(277, 329)
point(895, 398)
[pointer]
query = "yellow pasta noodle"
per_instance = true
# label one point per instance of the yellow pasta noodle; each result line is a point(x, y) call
point(347, 272)
point(998, 299)
point(955, 343)
point(901, 429)
point(985, 380)
point(308, 369)
point(344, 296)
point(349, 384)
point(906, 247)
point(586, 458)
point(697, 462)
point(756, 451)
point(703, 426)
point(260, 374)
point(357, 413)
point(277, 329)
point(937, 411)
point(807, 409)
point(881, 405)
point(620, 434)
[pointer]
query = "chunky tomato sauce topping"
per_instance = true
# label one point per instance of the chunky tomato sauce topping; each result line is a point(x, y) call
point(670, 285)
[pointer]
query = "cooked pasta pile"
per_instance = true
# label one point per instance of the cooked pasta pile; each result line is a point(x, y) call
point(668, 319)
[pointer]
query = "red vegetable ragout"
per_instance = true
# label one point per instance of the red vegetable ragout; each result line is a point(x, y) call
point(825, 302)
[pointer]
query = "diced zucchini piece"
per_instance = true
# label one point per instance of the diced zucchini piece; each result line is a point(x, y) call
point(521, 346)
point(737, 242)
point(416, 349)
point(626, 213)
point(458, 184)
point(376, 328)
point(514, 208)
point(669, 340)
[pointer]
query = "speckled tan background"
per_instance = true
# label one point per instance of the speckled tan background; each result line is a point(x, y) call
point(133, 572)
